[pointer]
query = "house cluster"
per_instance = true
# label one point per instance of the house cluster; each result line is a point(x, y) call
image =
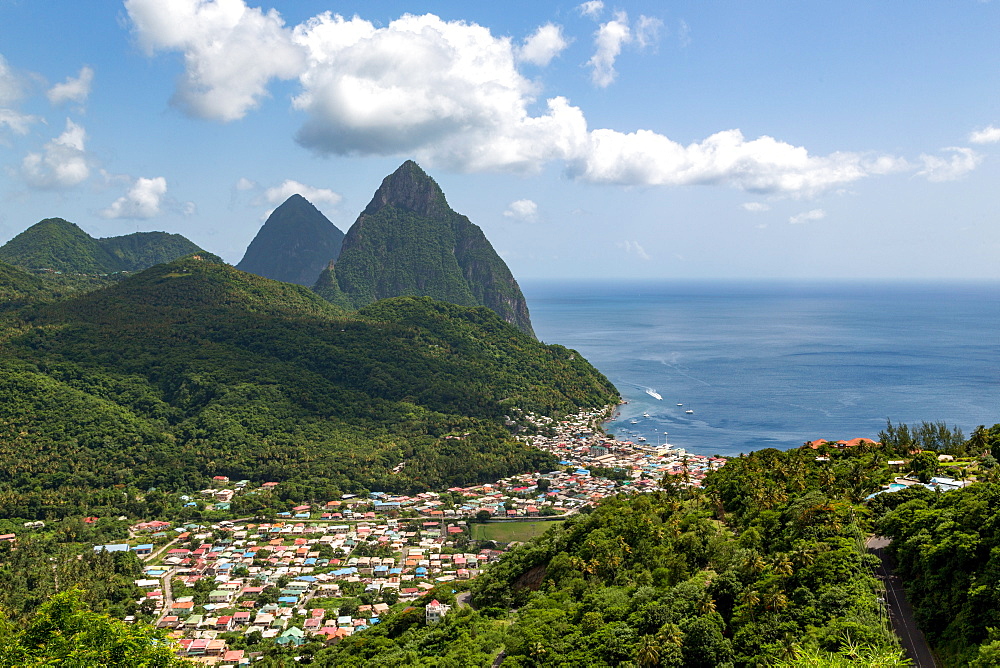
point(578, 445)
point(288, 582)
point(580, 450)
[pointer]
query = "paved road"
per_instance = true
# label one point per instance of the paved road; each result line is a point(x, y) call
point(168, 596)
point(900, 612)
point(156, 553)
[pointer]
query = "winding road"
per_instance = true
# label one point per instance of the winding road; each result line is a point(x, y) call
point(900, 612)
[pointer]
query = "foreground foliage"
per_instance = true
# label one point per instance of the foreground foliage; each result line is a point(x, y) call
point(659, 580)
point(65, 633)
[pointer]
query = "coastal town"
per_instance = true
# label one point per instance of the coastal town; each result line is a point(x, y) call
point(326, 570)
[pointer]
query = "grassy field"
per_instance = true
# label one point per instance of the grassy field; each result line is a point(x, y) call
point(506, 532)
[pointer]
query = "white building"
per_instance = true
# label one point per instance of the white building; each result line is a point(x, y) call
point(435, 612)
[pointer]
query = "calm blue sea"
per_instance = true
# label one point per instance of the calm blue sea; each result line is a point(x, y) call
point(777, 364)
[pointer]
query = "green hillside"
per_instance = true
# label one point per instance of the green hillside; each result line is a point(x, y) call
point(77, 262)
point(141, 250)
point(194, 368)
point(18, 288)
point(408, 241)
point(59, 245)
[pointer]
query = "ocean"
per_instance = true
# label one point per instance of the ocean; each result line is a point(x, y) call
point(777, 364)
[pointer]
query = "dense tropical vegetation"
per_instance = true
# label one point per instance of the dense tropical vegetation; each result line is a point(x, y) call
point(65, 632)
point(947, 549)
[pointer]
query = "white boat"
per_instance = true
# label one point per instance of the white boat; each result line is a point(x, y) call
point(641, 438)
point(653, 393)
point(635, 422)
point(689, 411)
point(645, 415)
point(680, 404)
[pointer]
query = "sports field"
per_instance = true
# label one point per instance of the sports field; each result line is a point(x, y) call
point(506, 532)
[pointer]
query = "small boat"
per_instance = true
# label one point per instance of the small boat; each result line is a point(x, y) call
point(641, 438)
point(680, 404)
point(653, 393)
point(646, 415)
point(634, 422)
point(689, 411)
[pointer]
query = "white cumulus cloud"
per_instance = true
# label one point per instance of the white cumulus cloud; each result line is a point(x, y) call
point(450, 94)
point(73, 89)
point(143, 200)
point(280, 193)
point(633, 248)
point(231, 51)
point(762, 165)
point(62, 163)
point(543, 45)
point(755, 207)
point(807, 216)
point(608, 41)
point(950, 168)
point(522, 209)
point(591, 8)
point(988, 135)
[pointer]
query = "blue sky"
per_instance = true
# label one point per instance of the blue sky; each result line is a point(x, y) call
point(691, 139)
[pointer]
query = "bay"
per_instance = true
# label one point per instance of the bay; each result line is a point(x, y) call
point(777, 364)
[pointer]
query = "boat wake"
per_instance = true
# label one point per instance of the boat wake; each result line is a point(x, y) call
point(653, 393)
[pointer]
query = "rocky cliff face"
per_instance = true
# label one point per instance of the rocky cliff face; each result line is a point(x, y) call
point(295, 245)
point(408, 241)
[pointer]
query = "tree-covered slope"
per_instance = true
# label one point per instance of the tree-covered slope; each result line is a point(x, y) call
point(18, 288)
point(947, 551)
point(194, 368)
point(68, 252)
point(60, 245)
point(141, 250)
point(295, 245)
point(408, 241)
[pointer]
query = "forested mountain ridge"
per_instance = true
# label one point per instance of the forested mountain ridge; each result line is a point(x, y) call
point(194, 368)
point(408, 241)
point(295, 244)
point(61, 246)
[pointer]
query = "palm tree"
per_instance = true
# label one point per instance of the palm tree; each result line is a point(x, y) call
point(537, 651)
point(751, 599)
point(979, 441)
point(783, 565)
point(648, 652)
point(775, 600)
